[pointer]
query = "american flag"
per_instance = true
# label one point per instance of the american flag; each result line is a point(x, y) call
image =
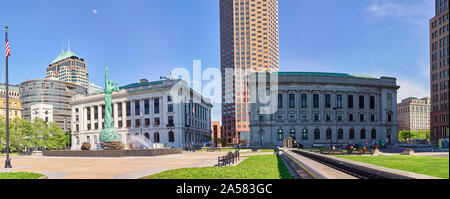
point(8, 52)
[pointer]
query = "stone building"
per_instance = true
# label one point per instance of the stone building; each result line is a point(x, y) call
point(52, 92)
point(323, 108)
point(414, 114)
point(42, 111)
point(15, 105)
point(145, 113)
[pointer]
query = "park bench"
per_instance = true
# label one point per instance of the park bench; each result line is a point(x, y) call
point(332, 152)
point(229, 159)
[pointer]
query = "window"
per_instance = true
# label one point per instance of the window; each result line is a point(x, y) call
point(128, 123)
point(374, 134)
point(328, 117)
point(137, 107)
point(317, 134)
point(363, 134)
point(292, 133)
point(147, 121)
point(350, 117)
point(147, 106)
point(329, 134)
point(171, 137)
point(305, 134)
point(291, 100)
point(156, 123)
point(361, 102)
point(128, 107)
point(170, 108)
point(119, 109)
point(280, 134)
point(316, 117)
point(361, 117)
point(156, 105)
point(156, 137)
point(327, 101)
point(280, 100)
point(170, 118)
point(95, 113)
point(339, 101)
point(350, 101)
point(352, 134)
point(372, 117)
point(304, 101)
point(372, 102)
point(340, 134)
point(316, 100)
point(339, 116)
point(304, 117)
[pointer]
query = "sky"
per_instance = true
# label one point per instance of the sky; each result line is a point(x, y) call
point(149, 38)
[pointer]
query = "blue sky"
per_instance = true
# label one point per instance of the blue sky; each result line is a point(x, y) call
point(148, 38)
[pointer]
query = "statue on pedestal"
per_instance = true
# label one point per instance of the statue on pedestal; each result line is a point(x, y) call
point(109, 138)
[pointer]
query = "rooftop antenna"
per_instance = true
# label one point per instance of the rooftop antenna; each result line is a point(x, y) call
point(62, 46)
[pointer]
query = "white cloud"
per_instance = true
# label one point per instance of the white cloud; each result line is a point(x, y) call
point(95, 12)
point(411, 88)
point(413, 11)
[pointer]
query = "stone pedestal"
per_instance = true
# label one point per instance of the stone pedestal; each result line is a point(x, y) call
point(112, 145)
point(376, 152)
point(86, 146)
point(408, 151)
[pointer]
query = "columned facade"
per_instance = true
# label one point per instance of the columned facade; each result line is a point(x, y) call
point(324, 108)
point(145, 114)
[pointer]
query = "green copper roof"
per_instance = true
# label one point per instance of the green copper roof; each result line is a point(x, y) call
point(326, 74)
point(64, 55)
point(140, 84)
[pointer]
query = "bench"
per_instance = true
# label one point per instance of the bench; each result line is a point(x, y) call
point(332, 152)
point(229, 159)
point(360, 152)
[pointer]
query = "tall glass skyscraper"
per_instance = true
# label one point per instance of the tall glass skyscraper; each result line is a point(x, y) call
point(249, 43)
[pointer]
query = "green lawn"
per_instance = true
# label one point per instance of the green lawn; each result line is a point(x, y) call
point(432, 166)
point(20, 175)
point(255, 167)
point(10, 154)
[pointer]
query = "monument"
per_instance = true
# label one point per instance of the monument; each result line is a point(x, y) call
point(109, 138)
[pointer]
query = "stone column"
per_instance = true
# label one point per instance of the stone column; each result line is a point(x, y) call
point(92, 118)
point(100, 119)
point(124, 114)
point(115, 116)
point(84, 120)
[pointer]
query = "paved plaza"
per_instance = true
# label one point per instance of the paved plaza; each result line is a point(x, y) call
point(109, 168)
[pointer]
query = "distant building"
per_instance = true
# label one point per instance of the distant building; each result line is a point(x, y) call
point(414, 114)
point(439, 74)
point(43, 111)
point(144, 113)
point(323, 108)
point(69, 67)
point(52, 92)
point(216, 133)
point(15, 105)
point(94, 88)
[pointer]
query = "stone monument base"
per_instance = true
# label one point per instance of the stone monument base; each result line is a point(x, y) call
point(408, 151)
point(112, 145)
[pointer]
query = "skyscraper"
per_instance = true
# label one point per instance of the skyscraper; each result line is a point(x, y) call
point(439, 35)
point(69, 67)
point(249, 43)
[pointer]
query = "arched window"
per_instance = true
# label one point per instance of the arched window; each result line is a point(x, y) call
point(88, 139)
point(305, 134)
point(95, 139)
point(280, 134)
point(292, 133)
point(374, 134)
point(317, 134)
point(156, 137)
point(340, 134)
point(329, 134)
point(171, 137)
point(363, 134)
point(352, 134)
point(147, 136)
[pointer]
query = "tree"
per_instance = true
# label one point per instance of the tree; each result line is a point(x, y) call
point(405, 136)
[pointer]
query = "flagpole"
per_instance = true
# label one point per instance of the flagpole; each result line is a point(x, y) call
point(7, 161)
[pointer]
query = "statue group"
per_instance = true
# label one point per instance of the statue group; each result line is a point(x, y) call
point(109, 138)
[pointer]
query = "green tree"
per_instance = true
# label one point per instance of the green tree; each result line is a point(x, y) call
point(405, 136)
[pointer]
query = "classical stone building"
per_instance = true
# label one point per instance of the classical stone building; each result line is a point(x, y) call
point(15, 105)
point(52, 92)
point(323, 108)
point(145, 113)
point(43, 111)
point(414, 114)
